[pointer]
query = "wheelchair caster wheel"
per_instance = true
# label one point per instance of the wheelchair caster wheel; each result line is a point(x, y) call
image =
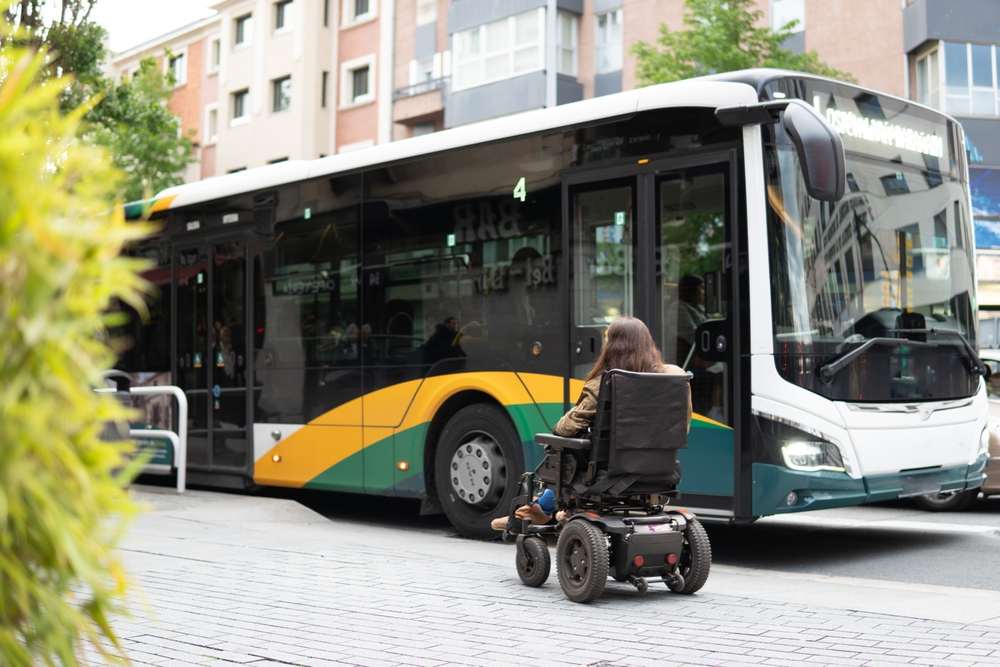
point(674, 582)
point(640, 584)
point(533, 561)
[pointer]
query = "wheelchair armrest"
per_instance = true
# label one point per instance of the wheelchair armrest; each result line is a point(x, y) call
point(559, 443)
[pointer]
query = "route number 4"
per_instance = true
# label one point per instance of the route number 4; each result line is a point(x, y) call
point(520, 192)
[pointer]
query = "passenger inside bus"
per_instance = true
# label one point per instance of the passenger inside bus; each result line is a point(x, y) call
point(688, 311)
point(444, 343)
point(629, 346)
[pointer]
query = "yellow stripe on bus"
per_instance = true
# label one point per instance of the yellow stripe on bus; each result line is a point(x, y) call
point(162, 204)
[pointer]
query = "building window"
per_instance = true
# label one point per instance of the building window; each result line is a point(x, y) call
point(969, 78)
point(359, 84)
point(214, 55)
point(326, 13)
point(277, 160)
point(212, 126)
point(244, 28)
point(241, 100)
point(283, 16)
point(324, 81)
point(427, 11)
point(421, 70)
point(423, 128)
point(608, 42)
point(357, 79)
point(784, 12)
point(237, 170)
point(356, 11)
point(177, 66)
point(499, 50)
point(928, 80)
point(282, 94)
point(566, 43)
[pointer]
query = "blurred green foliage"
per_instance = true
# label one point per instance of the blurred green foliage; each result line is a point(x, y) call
point(63, 504)
point(722, 37)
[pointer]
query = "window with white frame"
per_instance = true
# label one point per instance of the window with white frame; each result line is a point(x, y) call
point(282, 94)
point(566, 43)
point(241, 106)
point(214, 55)
point(242, 30)
point(357, 81)
point(283, 16)
point(211, 124)
point(356, 11)
point(427, 11)
point(970, 79)
point(928, 80)
point(608, 43)
point(422, 70)
point(177, 65)
point(499, 50)
point(784, 12)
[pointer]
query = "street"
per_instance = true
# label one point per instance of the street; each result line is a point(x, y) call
point(228, 578)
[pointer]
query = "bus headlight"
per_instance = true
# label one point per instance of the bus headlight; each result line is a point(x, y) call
point(811, 456)
point(795, 446)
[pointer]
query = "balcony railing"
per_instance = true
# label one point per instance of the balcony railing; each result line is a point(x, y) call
point(420, 88)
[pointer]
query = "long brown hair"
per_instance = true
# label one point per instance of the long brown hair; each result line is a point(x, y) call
point(630, 347)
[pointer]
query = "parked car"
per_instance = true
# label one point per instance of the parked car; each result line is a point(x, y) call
point(955, 501)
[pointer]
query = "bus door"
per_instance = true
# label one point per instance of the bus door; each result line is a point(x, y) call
point(211, 351)
point(603, 218)
point(694, 315)
point(655, 241)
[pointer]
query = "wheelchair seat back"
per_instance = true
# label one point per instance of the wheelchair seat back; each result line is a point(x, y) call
point(641, 422)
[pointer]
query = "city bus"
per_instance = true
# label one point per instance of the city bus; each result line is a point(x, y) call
point(402, 320)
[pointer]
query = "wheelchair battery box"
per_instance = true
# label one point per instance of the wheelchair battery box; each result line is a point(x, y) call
point(653, 543)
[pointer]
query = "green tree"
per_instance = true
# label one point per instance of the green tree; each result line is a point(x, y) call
point(132, 118)
point(135, 124)
point(722, 37)
point(63, 505)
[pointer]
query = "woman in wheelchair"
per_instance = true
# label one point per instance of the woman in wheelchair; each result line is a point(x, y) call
point(630, 347)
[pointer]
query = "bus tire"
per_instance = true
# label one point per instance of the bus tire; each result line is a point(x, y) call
point(477, 464)
point(696, 559)
point(953, 501)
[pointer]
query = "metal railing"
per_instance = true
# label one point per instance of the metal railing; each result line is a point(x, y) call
point(420, 88)
point(179, 439)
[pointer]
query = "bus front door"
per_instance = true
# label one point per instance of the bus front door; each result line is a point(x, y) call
point(655, 241)
point(211, 353)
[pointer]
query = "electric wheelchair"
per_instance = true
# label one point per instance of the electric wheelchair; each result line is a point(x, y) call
point(614, 486)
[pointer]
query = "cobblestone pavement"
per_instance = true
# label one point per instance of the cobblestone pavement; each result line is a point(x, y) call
point(237, 580)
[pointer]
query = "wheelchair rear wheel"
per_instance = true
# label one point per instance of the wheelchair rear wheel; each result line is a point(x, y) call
point(696, 559)
point(533, 561)
point(582, 561)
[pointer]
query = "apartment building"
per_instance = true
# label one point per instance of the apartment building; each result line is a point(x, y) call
point(269, 80)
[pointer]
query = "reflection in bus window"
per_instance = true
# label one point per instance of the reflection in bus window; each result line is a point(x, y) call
point(310, 339)
point(459, 274)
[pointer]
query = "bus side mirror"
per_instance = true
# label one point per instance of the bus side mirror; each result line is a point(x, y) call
point(819, 147)
point(820, 151)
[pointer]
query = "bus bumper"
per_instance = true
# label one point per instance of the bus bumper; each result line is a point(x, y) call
point(774, 486)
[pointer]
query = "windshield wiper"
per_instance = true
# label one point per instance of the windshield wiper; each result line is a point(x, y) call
point(830, 368)
point(978, 366)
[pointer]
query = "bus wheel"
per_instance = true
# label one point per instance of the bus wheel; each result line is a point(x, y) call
point(949, 501)
point(478, 462)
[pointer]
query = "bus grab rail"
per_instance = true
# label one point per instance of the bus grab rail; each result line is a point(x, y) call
point(179, 440)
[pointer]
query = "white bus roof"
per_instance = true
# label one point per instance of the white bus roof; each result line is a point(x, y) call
point(690, 93)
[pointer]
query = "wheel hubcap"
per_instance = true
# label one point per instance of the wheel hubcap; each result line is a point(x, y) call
point(477, 470)
point(575, 558)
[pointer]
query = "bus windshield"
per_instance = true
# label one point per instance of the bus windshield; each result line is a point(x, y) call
point(894, 256)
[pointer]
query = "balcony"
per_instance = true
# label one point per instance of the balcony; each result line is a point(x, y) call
point(420, 88)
